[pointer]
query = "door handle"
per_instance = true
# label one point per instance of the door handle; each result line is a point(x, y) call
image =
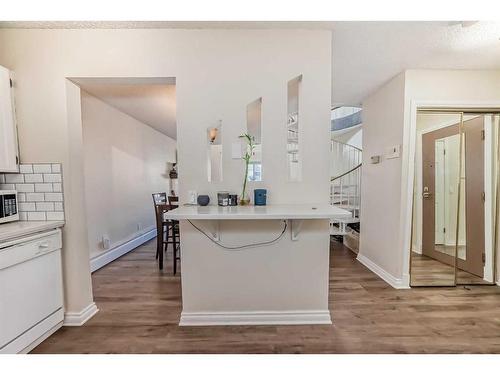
point(426, 195)
point(42, 247)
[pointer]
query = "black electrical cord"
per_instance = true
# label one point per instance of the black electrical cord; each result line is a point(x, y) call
point(243, 246)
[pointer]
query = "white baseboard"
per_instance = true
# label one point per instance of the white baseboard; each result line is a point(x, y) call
point(383, 274)
point(110, 255)
point(256, 318)
point(80, 318)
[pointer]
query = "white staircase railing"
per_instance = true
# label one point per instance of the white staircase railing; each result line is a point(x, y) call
point(345, 187)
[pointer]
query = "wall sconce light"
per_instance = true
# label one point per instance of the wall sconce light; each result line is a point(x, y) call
point(212, 134)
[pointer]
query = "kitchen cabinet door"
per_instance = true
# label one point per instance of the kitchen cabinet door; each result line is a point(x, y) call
point(9, 155)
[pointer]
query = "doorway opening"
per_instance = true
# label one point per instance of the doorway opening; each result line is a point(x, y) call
point(455, 196)
point(128, 144)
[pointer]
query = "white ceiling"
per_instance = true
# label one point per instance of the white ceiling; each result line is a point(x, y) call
point(150, 103)
point(365, 54)
point(368, 54)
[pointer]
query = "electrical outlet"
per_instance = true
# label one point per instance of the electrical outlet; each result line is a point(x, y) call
point(105, 242)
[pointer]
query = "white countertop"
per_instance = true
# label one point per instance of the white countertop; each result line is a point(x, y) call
point(16, 229)
point(269, 212)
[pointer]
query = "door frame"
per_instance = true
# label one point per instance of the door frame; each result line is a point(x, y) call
point(408, 174)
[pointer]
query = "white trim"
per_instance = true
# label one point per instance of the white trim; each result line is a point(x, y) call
point(255, 318)
point(489, 191)
point(396, 283)
point(408, 161)
point(120, 250)
point(80, 318)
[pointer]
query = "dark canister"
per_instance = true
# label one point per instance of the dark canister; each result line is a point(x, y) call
point(233, 200)
point(260, 197)
point(203, 200)
point(223, 198)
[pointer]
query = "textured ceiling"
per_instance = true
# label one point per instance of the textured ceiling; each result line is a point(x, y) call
point(365, 54)
point(368, 54)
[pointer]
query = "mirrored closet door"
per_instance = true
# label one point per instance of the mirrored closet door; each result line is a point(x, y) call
point(454, 200)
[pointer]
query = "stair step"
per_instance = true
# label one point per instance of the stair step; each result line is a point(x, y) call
point(348, 207)
point(350, 220)
point(337, 232)
point(343, 197)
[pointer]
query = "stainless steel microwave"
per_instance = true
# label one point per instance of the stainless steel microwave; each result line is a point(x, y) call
point(9, 210)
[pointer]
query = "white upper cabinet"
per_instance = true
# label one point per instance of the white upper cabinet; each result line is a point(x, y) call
point(9, 155)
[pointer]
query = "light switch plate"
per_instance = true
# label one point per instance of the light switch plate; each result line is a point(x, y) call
point(393, 152)
point(375, 159)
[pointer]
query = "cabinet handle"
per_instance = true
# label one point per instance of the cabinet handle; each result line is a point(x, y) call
point(43, 245)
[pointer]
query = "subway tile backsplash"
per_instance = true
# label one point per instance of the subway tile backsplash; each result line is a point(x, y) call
point(39, 189)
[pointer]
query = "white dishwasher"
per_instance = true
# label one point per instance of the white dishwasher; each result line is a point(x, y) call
point(31, 294)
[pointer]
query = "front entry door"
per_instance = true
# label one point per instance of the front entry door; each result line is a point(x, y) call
point(440, 156)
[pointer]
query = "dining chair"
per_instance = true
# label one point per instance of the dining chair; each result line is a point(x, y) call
point(162, 226)
point(173, 202)
point(159, 198)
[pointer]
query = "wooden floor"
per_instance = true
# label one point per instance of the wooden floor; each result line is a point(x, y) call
point(426, 271)
point(140, 307)
point(450, 250)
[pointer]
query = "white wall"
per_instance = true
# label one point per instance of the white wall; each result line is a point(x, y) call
point(345, 158)
point(125, 162)
point(353, 137)
point(393, 190)
point(218, 72)
point(285, 277)
point(383, 117)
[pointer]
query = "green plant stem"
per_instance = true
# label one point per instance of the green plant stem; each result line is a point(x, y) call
point(245, 180)
point(247, 157)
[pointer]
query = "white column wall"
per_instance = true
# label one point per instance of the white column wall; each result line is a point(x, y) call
point(218, 73)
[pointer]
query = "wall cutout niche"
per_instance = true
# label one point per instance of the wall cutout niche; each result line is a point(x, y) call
point(254, 129)
point(214, 153)
point(294, 160)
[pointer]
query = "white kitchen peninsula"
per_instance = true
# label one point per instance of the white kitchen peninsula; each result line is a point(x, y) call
point(282, 278)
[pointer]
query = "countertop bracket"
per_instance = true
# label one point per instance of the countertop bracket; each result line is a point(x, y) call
point(295, 227)
point(214, 229)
